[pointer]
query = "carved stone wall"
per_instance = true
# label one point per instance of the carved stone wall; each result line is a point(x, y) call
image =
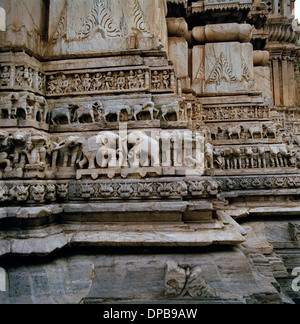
point(167, 125)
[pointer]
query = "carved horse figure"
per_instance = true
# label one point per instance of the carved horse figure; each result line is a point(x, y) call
point(147, 107)
point(59, 114)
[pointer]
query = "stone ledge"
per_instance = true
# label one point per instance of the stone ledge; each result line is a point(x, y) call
point(45, 241)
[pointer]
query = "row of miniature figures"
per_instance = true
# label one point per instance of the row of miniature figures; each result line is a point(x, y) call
point(111, 81)
point(35, 154)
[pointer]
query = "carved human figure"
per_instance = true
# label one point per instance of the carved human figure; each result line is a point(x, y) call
point(28, 76)
point(64, 84)
point(40, 81)
point(109, 81)
point(5, 77)
point(76, 83)
point(97, 81)
point(121, 81)
point(156, 80)
point(52, 85)
point(87, 82)
point(132, 80)
point(165, 79)
point(141, 79)
point(20, 76)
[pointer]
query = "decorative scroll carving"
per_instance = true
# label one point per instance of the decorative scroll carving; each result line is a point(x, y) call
point(222, 71)
point(139, 18)
point(246, 75)
point(32, 192)
point(38, 191)
point(101, 20)
point(61, 27)
point(186, 281)
point(258, 182)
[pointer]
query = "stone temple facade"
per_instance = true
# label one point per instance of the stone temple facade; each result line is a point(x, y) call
point(149, 151)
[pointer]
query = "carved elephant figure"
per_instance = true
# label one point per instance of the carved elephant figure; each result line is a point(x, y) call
point(209, 156)
point(111, 151)
point(5, 150)
point(71, 148)
point(219, 157)
point(100, 150)
point(19, 143)
point(37, 148)
point(280, 156)
point(262, 157)
point(90, 148)
point(143, 148)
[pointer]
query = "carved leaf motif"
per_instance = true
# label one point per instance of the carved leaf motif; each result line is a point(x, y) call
point(246, 72)
point(222, 71)
point(196, 285)
point(100, 18)
point(139, 18)
point(175, 279)
point(61, 28)
point(182, 281)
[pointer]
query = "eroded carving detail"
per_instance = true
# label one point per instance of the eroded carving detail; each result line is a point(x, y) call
point(186, 281)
